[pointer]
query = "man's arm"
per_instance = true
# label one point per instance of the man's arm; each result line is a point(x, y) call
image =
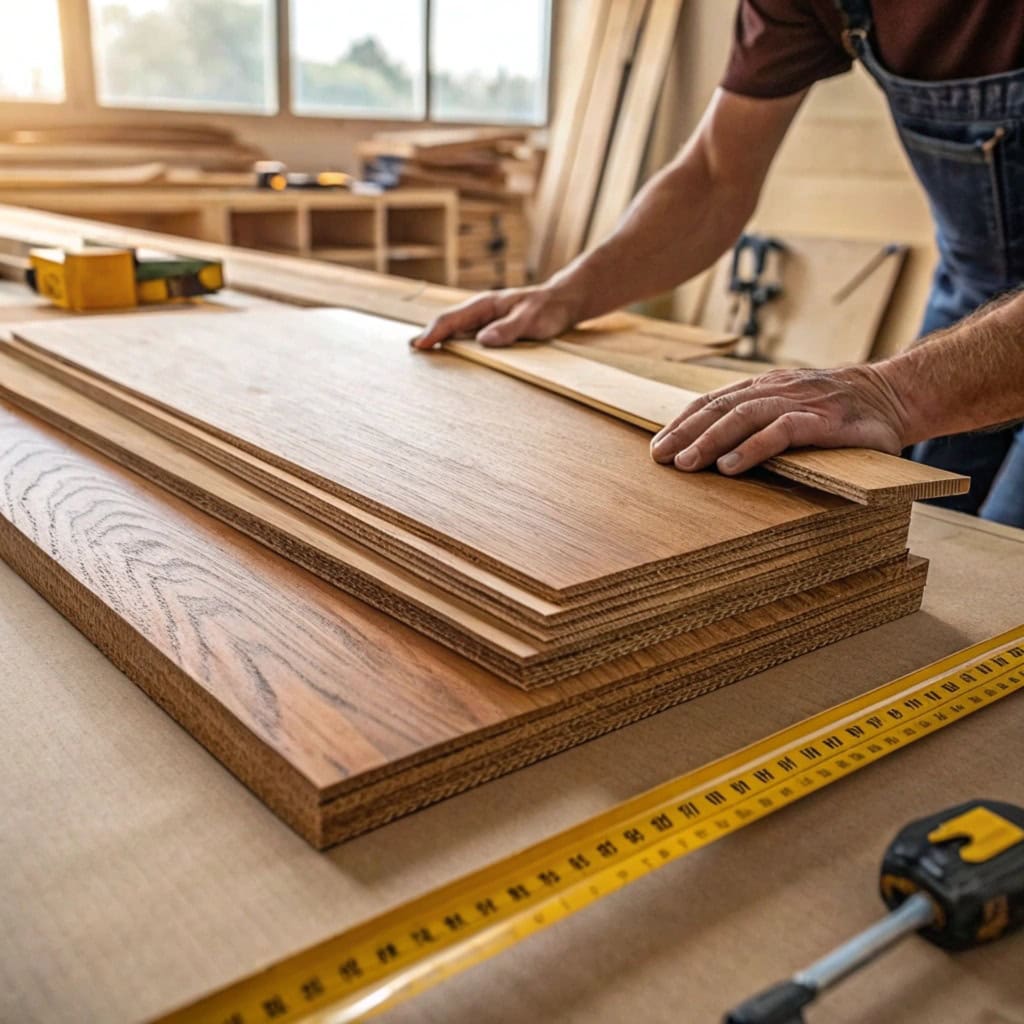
point(683, 219)
point(968, 377)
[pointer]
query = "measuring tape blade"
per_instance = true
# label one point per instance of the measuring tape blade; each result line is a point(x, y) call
point(414, 946)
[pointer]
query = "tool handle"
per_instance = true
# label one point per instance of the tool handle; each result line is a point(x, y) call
point(780, 1004)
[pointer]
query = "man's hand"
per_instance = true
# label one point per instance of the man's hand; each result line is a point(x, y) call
point(501, 318)
point(741, 425)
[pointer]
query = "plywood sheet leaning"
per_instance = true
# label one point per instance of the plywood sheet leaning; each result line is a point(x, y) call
point(835, 292)
point(520, 651)
point(619, 41)
point(337, 717)
point(636, 117)
point(564, 135)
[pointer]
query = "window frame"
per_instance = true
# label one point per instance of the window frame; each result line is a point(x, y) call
point(82, 96)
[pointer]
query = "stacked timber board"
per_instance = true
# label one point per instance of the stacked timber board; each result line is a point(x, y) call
point(482, 163)
point(338, 717)
point(405, 479)
point(524, 531)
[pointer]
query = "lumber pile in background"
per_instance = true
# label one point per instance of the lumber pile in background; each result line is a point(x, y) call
point(481, 163)
point(600, 131)
point(133, 148)
point(494, 170)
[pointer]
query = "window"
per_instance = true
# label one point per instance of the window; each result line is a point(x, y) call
point(31, 61)
point(358, 58)
point(488, 61)
point(186, 54)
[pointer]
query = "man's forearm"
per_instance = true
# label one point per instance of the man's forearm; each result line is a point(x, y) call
point(677, 226)
point(688, 214)
point(969, 377)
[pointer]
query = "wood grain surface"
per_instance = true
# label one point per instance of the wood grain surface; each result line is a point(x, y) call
point(538, 490)
point(840, 524)
point(510, 648)
point(337, 716)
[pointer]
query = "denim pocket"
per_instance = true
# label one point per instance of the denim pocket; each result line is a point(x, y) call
point(964, 179)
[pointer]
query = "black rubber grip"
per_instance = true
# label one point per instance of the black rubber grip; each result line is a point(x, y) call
point(780, 1004)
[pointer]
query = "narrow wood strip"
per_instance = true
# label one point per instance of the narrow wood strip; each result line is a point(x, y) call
point(633, 126)
point(859, 474)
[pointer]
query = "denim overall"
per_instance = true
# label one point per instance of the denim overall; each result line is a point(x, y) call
point(965, 140)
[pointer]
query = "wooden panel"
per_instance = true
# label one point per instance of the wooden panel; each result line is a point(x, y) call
point(520, 652)
point(338, 717)
point(635, 120)
point(433, 442)
point(835, 292)
point(855, 473)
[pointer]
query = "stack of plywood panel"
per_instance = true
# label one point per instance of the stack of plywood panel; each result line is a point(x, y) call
point(524, 538)
point(494, 171)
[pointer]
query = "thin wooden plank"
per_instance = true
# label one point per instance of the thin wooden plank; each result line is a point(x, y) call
point(575, 202)
point(859, 474)
point(635, 120)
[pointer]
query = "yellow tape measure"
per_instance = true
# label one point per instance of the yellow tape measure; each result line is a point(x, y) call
point(406, 950)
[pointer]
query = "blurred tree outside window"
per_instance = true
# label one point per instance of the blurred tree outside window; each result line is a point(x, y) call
point(31, 58)
point(358, 58)
point(186, 54)
point(489, 61)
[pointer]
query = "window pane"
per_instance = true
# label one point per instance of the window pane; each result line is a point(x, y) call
point(186, 54)
point(31, 61)
point(358, 58)
point(489, 61)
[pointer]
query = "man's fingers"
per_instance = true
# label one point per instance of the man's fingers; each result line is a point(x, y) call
point(505, 331)
point(694, 420)
point(793, 429)
point(728, 431)
point(461, 320)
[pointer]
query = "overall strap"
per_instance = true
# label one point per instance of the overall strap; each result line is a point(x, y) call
point(856, 23)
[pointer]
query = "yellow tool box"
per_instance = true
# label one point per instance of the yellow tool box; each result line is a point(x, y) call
point(97, 277)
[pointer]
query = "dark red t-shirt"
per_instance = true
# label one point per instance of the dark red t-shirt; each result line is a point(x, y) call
point(783, 46)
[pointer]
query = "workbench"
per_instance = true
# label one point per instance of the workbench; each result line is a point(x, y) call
point(137, 874)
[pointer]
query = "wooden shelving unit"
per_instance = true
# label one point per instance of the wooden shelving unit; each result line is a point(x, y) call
point(412, 232)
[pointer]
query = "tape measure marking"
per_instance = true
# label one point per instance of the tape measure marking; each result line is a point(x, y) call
point(412, 947)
